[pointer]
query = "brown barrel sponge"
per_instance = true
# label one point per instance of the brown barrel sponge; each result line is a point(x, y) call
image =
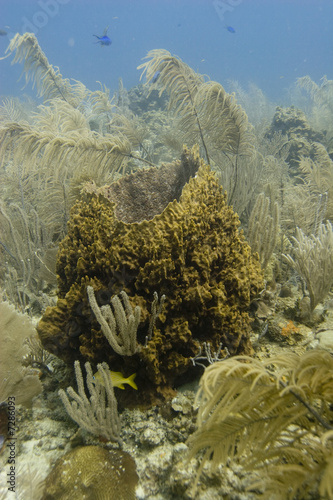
point(193, 252)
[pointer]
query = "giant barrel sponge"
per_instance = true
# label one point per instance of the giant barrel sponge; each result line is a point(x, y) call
point(169, 230)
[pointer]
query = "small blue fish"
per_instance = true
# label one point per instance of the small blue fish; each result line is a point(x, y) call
point(104, 39)
point(230, 29)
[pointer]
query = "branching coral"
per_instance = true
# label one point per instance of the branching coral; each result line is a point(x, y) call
point(318, 176)
point(206, 113)
point(274, 417)
point(313, 260)
point(322, 106)
point(45, 159)
point(99, 413)
point(263, 228)
point(118, 324)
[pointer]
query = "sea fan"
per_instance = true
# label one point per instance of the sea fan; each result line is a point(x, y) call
point(273, 416)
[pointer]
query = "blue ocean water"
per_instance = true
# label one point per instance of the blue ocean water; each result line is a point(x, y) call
point(271, 43)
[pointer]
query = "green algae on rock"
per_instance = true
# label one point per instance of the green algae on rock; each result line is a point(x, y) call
point(193, 252)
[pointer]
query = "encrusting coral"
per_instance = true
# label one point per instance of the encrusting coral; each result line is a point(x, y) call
point(193, 252)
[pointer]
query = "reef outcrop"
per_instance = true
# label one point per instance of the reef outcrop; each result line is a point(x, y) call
point(192, 251)
point(293, 123)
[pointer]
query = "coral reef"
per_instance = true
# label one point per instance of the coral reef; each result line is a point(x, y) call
point(178, 256)
point(92, 472)
point(193, 252)
point(97, 414)
point(263, 228)
point(155, 438)
point(321, 102)
point(293, 123)
point(318, 179)
point(313, 261)
point(275, 416)
point(16, 379)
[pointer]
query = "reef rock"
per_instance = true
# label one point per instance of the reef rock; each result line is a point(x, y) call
point(192, 251)
point(293, 123)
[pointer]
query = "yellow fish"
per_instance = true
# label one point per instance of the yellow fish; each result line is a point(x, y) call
point(118, 380)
